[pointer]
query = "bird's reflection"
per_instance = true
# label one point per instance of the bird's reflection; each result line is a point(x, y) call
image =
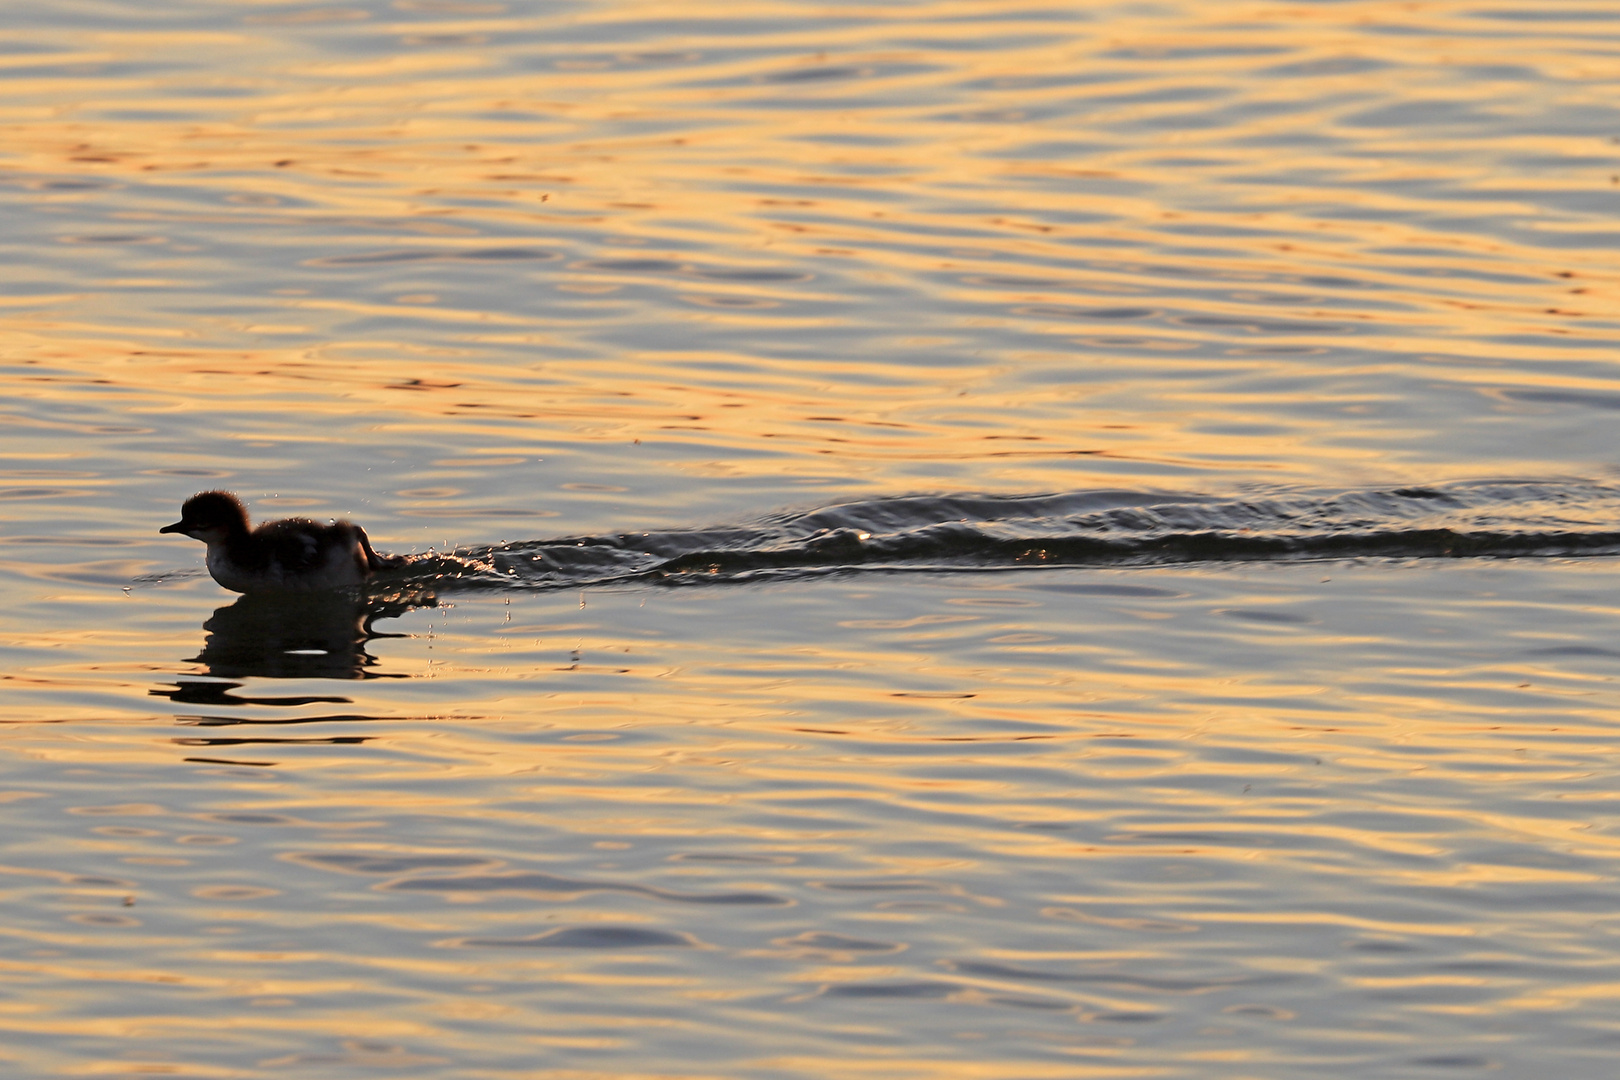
point(300, 636)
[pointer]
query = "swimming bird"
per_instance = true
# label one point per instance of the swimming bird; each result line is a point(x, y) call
point(295, 555)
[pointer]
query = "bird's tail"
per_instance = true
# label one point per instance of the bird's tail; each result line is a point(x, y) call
point(374, 561)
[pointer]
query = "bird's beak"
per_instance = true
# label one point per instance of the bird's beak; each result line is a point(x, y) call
point(178, 527)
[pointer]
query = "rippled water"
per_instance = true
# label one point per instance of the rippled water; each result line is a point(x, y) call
point(948, 539)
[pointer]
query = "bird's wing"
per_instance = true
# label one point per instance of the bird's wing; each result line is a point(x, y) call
point(295, 544)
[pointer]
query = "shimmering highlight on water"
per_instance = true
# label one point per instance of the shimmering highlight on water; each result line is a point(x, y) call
point(952, 539)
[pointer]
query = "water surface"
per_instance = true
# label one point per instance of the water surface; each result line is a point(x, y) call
point(953, 539)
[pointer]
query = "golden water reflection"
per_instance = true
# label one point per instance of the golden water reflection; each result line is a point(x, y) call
point(938, 248)
point(998, 810)
point(485, 273)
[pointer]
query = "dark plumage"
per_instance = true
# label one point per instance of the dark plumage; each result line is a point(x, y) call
point(295, 555)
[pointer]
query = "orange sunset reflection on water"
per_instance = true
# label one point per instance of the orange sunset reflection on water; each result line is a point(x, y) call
point(853, 237)
point(948, 539)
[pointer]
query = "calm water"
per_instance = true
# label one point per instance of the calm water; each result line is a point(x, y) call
point(953, 539)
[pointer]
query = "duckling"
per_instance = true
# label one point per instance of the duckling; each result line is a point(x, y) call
point(295, 555)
